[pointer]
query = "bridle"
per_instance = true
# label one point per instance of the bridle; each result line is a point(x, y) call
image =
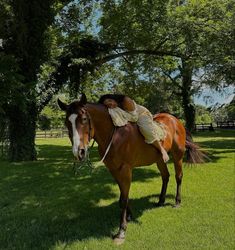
point(90, 136)
point(78, 165)
point(86, 161)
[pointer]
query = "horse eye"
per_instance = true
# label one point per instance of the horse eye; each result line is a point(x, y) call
point(84, 119)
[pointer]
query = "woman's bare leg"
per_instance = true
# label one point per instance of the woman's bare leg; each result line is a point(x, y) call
point(165, 156)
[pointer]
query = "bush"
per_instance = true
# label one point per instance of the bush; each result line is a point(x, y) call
point(44, 123)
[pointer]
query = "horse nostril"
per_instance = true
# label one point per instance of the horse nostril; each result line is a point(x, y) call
point(82, 153)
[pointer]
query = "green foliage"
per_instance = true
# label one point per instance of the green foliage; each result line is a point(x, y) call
point(219, 114)
point(133, 24)
point(24, 50)
point(188, 35)
point(203, 115)
point(231, 110)
point(224, 112)
point(53, 117)
point(10, 81)
point(49, 46)
point(44, 122)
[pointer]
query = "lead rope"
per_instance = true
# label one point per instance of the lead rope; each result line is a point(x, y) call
point(109, 146)
point(86, 163)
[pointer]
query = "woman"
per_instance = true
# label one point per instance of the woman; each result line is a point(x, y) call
point(123, 109)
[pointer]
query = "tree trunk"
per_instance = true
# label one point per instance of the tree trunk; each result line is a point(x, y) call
point(188, 106)
point(189, 112)
point(28, 45)
point(22, 126)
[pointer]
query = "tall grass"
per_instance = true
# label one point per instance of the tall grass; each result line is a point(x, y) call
point(43, 205)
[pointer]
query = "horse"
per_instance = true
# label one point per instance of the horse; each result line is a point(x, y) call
point(124, 148)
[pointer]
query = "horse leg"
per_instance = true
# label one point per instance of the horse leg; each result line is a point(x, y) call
point(123, 177)
point(178, 177)
point(129, 213)
point(165, 178)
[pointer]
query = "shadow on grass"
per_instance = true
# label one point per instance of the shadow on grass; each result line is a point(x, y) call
point(215, 134)
point(221, 143)
point(43, 203)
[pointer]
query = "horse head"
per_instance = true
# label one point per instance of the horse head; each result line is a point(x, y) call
point(79, 126)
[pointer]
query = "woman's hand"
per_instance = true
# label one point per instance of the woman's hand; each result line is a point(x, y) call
point(110, 103)
point(128, 104)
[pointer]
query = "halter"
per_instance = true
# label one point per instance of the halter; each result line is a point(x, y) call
point(90, 129)
point(87, 162)
point(77, 166)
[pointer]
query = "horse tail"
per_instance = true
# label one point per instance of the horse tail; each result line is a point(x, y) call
point(194, 153)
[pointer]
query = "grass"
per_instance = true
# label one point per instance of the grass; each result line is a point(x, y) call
point(43, 205)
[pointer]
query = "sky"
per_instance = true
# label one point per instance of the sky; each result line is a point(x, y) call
point(211, 97)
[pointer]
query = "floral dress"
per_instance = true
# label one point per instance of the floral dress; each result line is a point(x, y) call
point(150, 129)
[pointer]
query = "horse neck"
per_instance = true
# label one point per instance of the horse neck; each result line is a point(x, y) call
point(102, 123)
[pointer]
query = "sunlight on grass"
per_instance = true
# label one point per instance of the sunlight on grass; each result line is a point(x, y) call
point(43, 205)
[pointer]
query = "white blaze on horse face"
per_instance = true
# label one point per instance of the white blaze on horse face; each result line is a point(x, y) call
point(76, 137)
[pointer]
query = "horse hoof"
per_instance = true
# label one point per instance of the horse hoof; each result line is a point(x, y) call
point(118, 241)
point(119, 238)
point(177, 205)
point(160, 204)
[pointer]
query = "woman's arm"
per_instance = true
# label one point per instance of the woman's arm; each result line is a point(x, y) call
point(128, 104)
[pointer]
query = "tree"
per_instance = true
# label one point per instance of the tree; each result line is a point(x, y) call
point(188, 34)
point(44, 122)
point(203, 115)
point(24, 41)
point(29, 41)
point(231, 110)
point(179, 44)
point(225, 112)
point(181, 41)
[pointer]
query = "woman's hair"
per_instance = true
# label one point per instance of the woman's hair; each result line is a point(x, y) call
point(116, 97)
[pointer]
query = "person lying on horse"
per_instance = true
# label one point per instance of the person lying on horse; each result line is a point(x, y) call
point(123, 109)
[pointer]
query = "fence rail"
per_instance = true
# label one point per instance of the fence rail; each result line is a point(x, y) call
point(52, 133)
point(212, 127)
point(61, 133)
point(204, 126)
point(227, 124)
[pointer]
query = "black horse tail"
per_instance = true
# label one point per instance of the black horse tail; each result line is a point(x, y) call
point(194, 153)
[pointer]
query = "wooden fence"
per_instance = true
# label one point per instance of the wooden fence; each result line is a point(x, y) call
point(212, 127)
point(204, 126)
point(227, 124)
point(59, 133)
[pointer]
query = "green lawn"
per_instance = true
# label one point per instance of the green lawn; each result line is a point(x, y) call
point(43, 205)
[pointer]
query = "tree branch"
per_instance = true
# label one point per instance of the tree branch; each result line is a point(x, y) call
point(174, 80)
point(136, 52)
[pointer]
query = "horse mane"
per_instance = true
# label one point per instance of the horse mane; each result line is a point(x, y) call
point(98, 107)
point(76, 104)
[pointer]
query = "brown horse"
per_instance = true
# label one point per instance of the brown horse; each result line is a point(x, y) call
point(127, 149)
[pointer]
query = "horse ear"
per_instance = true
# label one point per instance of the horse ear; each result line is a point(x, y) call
point(83, 99)
point(63, 106)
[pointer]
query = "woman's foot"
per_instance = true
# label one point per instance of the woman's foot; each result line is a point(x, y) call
point(165, 156)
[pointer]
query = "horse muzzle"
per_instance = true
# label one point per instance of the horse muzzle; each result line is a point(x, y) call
point(80, 153)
